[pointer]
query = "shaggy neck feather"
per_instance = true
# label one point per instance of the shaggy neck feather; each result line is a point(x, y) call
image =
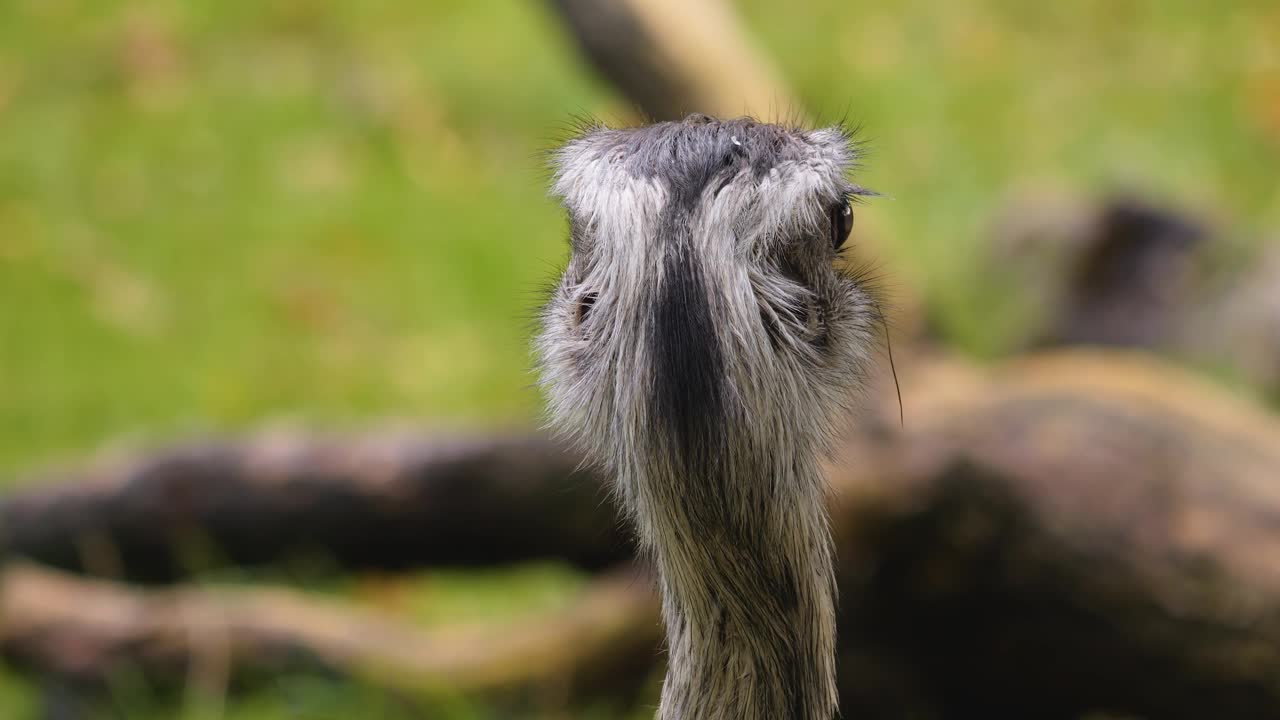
point(748, 599)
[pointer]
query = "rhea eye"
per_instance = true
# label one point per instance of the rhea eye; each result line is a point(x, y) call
point(841, 223)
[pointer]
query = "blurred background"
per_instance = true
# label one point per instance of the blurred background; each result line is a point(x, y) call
point(219, 219)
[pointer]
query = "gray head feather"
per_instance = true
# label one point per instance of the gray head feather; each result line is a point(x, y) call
point(702, 346)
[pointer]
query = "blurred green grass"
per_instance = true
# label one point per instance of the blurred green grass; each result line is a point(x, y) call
point(216, 213)
point(213, 213)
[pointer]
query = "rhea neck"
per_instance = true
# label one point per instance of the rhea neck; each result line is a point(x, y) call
point(731, 505)
point(748, 594)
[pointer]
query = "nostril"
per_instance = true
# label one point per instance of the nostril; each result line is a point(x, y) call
point(585, 304)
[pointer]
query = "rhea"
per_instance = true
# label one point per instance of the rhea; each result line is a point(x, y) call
point(702, 346)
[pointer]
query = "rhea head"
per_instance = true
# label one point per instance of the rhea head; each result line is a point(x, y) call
point(702, 346)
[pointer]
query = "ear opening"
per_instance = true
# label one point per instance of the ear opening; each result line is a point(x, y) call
point(586, 302)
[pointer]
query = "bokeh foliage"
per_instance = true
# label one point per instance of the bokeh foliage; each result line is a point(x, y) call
point(215, 213)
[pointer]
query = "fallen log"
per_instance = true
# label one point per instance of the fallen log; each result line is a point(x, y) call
point(214, 640)
point(386, 500)
point(1077, 533)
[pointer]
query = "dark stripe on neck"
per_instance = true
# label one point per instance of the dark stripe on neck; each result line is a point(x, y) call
point(688, 365)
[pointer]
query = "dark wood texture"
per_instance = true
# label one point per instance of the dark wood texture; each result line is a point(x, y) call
point(383, 500)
